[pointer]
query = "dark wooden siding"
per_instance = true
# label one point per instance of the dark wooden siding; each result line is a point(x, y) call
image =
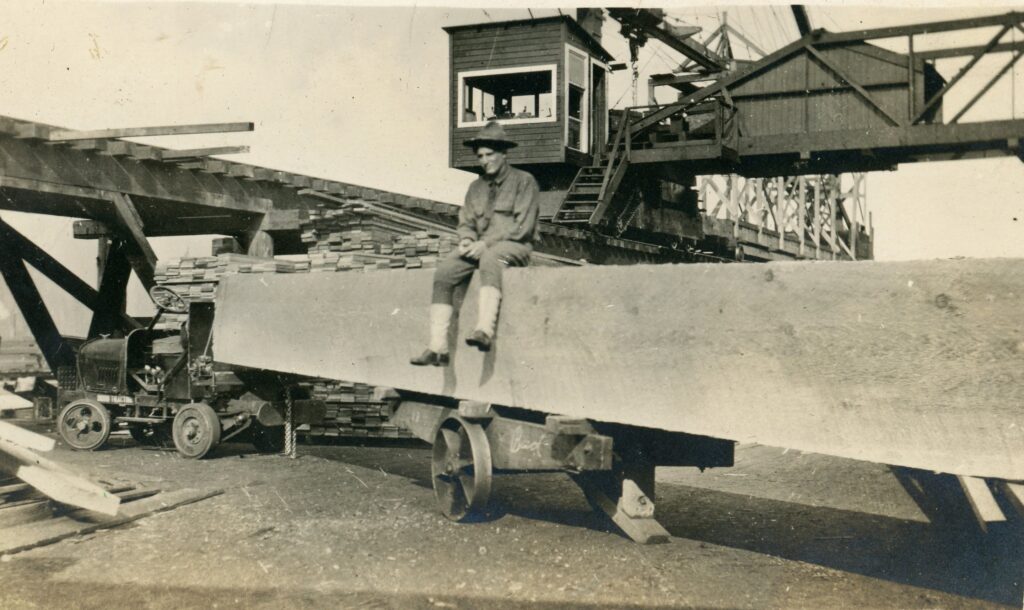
point(509, 46)
point(800, 94)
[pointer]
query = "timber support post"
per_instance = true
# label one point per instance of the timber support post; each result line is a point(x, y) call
point(113, 286)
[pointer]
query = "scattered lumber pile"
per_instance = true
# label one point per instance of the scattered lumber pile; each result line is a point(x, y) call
point(43, 502)
point(353, 409)
point(19, 458)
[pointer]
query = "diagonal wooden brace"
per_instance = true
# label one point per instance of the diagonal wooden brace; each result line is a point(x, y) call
point(140, 254)
point(55, 350)
point(17, 243)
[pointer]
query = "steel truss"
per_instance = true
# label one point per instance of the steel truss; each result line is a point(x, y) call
point(821, 216)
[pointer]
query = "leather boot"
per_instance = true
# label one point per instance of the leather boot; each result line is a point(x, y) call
point(429, 358)
point(436, 353)
point(487, 319)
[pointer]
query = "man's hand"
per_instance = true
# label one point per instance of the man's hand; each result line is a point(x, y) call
point(475, 250)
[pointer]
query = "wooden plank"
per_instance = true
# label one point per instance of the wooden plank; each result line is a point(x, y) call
point(982, 502)
point(13, 457)
point(71, 490)
point(193, 153)
point(754, 359)
point(64, 135)
point(33, 535)
point(26, 438)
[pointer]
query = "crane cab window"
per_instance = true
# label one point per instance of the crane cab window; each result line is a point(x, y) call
point(512, 95)
point(577, 100)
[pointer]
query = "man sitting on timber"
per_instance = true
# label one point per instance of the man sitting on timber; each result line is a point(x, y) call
point(497, 227)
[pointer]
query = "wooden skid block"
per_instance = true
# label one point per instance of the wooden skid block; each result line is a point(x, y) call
point(643, 530)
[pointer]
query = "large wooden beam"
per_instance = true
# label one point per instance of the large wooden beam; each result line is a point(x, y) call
point(65, 135)
point(62, 166)
point(919, 364)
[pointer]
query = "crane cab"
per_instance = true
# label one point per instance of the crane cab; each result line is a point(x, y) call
point(544, 80)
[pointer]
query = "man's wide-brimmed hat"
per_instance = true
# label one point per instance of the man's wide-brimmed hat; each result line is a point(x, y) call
point(492, 136)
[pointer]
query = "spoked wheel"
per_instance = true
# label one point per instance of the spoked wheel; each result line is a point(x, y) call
point(196, 430)
point(461, 469)
point(268, 439)
point(84, 424)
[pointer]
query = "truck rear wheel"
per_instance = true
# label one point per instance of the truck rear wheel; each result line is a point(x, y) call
point(196, 430)
point(84, 424)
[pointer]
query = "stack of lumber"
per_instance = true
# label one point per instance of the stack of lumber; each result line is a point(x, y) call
point(195, 279)
point(351, 237)
point(353, 409)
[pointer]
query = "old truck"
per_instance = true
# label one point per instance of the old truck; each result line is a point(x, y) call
point(162, 383)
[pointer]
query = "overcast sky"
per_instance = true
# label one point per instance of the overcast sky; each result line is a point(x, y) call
point(360, 95)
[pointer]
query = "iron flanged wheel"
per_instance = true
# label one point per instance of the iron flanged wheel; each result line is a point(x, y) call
point(461, 469)
point(84, 424)
point(196, 430)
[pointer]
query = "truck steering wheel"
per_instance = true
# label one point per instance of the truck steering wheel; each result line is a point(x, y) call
point(168, 300)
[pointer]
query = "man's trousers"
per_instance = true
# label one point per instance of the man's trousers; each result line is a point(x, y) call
point(456, 270)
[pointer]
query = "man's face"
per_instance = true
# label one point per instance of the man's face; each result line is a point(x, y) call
point(490, 160)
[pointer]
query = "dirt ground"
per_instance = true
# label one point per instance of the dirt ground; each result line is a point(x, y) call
point(353, 526)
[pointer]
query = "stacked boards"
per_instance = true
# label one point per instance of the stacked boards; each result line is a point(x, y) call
point(352, 237)
point(352, 410)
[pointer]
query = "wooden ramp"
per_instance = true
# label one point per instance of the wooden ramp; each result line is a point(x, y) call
point(918, 364)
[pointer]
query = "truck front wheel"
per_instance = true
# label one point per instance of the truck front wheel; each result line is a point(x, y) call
point(84, 424)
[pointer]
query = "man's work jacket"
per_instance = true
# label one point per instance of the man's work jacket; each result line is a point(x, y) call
point(501, 208)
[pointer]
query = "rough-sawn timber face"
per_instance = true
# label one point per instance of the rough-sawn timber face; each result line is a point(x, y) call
point(919, 364)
